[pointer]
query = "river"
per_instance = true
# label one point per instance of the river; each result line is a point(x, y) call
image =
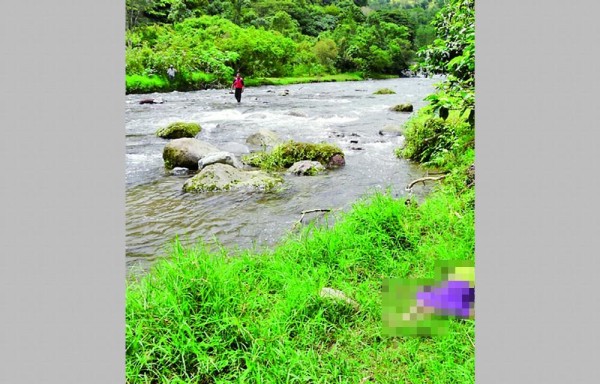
point(343, 113)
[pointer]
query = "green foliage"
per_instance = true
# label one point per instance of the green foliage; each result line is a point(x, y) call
point(444, 131)
point(286, 154)
point(326, 51)
point(268, 38)
point(453, 52)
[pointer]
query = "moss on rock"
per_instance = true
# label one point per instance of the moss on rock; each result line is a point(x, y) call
point(179, 130)
point(286, 154)
point(384, 91)
point(224, 177)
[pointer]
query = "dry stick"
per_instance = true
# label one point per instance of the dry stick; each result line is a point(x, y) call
point(310, 211)
point(423, 179)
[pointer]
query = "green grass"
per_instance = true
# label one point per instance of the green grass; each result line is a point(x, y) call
point(201, 80)
point(183, 82)
point(215, 317)
point(352, 76)
point(144, 84)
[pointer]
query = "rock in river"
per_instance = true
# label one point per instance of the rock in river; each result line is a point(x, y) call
point(186, 152)
point(264, 138)
point(223, 177)
point(220, 157)
point(306, 168)
point(178, 130)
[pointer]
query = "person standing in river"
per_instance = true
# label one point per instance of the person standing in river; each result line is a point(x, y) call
point(238, 87)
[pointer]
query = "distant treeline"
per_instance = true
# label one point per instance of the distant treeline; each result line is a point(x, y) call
point(207, 41)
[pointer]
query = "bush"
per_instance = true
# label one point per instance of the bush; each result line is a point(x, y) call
point(430, 139)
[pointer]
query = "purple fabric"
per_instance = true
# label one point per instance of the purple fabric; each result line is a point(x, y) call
point(450, 298)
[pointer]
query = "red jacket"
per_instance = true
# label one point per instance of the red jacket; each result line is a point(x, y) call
point(238, 82)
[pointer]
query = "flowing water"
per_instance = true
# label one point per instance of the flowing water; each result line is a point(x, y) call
point(345, 113)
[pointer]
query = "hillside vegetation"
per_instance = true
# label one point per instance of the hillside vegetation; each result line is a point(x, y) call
point(207, 41)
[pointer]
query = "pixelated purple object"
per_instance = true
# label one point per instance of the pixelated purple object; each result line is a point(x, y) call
point(454, 298)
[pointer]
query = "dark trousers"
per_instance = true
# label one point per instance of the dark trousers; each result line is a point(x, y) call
point(238, 94)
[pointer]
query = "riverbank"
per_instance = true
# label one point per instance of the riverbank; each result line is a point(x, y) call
point(204, 317)
point(136, 84)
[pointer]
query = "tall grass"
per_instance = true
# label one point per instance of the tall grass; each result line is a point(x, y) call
point(207, 317)
point(182, 82)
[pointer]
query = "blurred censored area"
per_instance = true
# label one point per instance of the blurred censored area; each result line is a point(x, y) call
point(424, 307)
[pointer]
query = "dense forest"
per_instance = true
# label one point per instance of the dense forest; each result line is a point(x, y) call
point(207, 41)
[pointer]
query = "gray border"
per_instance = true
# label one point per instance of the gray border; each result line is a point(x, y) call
point(62, 269)
point(537, 232)
point(63, 214)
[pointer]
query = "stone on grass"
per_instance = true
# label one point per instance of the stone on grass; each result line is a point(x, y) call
point(330, 293)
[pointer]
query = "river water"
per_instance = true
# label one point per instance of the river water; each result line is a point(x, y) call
point(344, 113)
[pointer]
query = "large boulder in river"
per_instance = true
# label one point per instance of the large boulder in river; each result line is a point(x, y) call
point(222, 158)
point(404, 107)
point(179, 130)
point(186, 152)
point(264, 138)
point(223, 177)
point(306, 168)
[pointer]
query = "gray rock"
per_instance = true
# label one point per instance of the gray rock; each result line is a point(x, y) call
point(306, 168)
point(336, 161)
point(297, 114)
point(264, 137)
point(223, 177)
point(405, 107)
point(222, 158)
point(186, 152)
point(391, 131)
point(178, 171)
point(334, 294)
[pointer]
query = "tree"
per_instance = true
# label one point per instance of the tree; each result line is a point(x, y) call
point(135, 10)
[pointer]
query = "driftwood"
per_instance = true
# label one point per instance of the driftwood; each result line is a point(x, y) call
point(310, 211)
point(424, 179)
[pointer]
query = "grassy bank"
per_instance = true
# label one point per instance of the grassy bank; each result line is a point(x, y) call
point(198, 81)
point(258, 318)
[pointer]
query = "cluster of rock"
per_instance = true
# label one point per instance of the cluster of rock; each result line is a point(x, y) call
point(223, 171)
